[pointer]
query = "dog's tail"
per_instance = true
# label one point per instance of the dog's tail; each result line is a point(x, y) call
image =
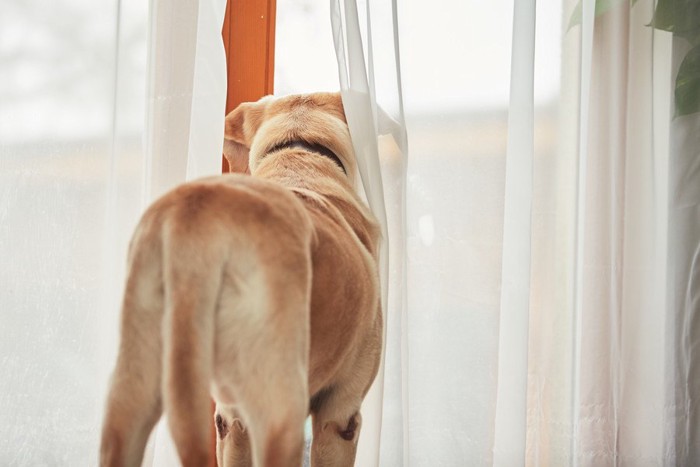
point(192, 274)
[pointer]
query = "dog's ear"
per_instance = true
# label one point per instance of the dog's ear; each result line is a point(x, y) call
point(237, 156)
point(240, 127)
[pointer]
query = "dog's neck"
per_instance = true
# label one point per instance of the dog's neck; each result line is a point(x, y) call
point(311, 147)
point(312, 177)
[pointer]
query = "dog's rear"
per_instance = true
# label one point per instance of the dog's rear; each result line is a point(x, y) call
point(187, 245)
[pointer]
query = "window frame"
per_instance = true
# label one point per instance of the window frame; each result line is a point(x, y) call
point(249, 40)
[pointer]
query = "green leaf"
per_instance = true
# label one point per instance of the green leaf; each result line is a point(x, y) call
point(601, 6)
point(687, 18)
point(687, 94)
point(663, 15)
point(681, 17)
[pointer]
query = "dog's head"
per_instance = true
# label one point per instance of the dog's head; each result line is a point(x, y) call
point(254, 128)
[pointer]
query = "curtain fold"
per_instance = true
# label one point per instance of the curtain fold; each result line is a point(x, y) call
point(619, 383)
point(187, 92)
point(599, 401)
point(511, 393)
point(375, 120)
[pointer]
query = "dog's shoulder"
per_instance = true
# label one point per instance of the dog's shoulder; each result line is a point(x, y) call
point(344, 212)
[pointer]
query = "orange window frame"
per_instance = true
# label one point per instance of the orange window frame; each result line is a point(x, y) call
point(249, 41)
point(248, 33)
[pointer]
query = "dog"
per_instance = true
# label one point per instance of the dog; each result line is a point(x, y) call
point(258, 290)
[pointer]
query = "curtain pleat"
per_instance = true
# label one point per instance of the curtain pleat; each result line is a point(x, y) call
point(375, 120)
point(511, 394)
point(586, 52)
point(187, 92)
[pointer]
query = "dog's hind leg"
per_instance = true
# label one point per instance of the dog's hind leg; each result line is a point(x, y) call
point(276, 408)
point(192, 277)
point(274, 389)
point(134, 399)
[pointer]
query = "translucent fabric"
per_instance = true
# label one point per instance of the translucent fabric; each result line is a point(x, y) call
point(376, 121)
point(551, 233)
point(595, 387)
point(101, 110)
point(73, 84)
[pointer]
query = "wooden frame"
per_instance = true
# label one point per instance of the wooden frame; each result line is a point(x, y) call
point(249, 40)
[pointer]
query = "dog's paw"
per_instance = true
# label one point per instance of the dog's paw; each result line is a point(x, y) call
point(348, 434)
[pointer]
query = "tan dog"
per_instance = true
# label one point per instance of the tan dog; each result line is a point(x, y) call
point(260, 290)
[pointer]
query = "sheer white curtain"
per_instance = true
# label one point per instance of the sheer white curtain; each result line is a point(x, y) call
point(103, 106)
point(548, 309)
point(70, 188)
point(607, 363)
point(375, 117)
